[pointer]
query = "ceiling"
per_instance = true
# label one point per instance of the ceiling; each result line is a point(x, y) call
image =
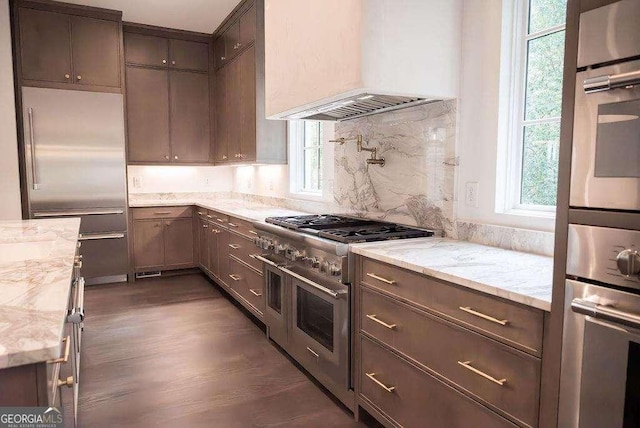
point(195, 15)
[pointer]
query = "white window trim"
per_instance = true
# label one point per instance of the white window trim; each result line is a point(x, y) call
point(515, 58)
point(296, 161)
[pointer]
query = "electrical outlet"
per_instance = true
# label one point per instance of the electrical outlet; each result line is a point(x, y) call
point(270, 184)
point(471, 194)
point(137, 182)
point(248, 184)
point(207, 182)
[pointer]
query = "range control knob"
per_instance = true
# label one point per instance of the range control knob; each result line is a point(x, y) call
point(324, 267)
point(280, 248)
point(628, 262)
point(334, 269)
point(313, 262)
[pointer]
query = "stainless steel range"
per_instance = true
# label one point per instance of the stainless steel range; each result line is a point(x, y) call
point(308, 274)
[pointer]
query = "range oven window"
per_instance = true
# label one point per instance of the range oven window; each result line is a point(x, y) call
point(632, 396)
point(315, 317)
point(275, 292)
point(618, 140)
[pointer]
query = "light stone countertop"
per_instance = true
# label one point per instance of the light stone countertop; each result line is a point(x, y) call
point(249, 211)
point(520, 277)
point(36, 270)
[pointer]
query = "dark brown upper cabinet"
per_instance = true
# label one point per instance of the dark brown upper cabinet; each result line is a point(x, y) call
point(242, 132)
point(63, 50)
point(168, 96)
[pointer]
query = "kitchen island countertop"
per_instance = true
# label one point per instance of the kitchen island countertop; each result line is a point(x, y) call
point(36, 270)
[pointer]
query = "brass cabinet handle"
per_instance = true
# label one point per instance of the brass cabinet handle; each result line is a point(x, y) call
point(205, 225)
point(224, 157)
point(220, 220)
point(209, 216)
point(468, 310)
point(233, 225)
point(253, 232)
point(467, 365)
point(372, 317)
point(215, 231)
point(166, 157)
point(312, 352)
point(67, 76)
point(162, 212)
point(68, 382)
point(79, 77)
point(380, 384)
point(173, 63)
point(255, 293)
point(234, 246)
point(67, 349)
point(164, 61)
point(176, 157)
point(379, 278)
point(222, 58)
point(235, 277)
point(200, 213)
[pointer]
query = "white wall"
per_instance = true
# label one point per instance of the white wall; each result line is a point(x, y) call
point(180, 179)
point(481, 92)
point(10, 208)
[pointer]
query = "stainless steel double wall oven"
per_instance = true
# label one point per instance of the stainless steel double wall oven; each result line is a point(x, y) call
point(600, 377)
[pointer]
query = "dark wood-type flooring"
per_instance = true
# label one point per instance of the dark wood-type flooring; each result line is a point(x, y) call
point(175, 352)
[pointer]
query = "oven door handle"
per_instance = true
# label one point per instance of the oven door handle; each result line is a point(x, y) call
point(611, 81)
point(325, 290)
point(605, 313)
point(265, 260)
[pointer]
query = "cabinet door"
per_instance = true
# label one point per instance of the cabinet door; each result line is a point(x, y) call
point(203, 243)
point(178, 243)
point(148, 114)
point(219, 52)
point(45, 40)
point(187, 55)
point(233, 115)
point(212, 243)
point(220, 114)
point(223, 255)
point(247, 27)
point(95, 50)
point(231, 39)
point(190, 120)
point(248, 105)
point(146, 50)
point(148, 244)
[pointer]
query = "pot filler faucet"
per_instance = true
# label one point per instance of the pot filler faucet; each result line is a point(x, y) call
point(373, 160)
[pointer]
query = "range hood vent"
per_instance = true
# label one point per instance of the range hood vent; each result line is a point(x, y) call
point(358, 106)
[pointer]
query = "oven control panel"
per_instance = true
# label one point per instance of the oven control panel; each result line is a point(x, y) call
point(604, 254)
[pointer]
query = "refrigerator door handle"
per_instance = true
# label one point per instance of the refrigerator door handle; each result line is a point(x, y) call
point(75, 213)
point(32, 143)
point(97, 236)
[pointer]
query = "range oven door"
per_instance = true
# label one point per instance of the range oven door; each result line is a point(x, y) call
point(600, 381)
point(606, 138)
point(319, 328)
point(276, 313)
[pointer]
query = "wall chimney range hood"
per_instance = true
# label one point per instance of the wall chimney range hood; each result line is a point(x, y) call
point(338, 60)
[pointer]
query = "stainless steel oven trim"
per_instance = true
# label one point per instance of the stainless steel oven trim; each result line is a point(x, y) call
point(99, 236)
point(606, 313)
point(75, 213)
point(334, 294)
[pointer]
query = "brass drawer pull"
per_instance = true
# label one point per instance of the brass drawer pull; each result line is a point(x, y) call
point(253, 232)
point(255, 293)
point(372, 317)
point(162, 212)
point(68, 382)
point(235, 277)
point(220, 220)
point(67, 349)
point(467, 365)
point(379, 278)
point(234, 246)
point(312, 352)
point(380, 384)
point(200, 213)
point(468, 310)
point(209, 216)
point(233, 225)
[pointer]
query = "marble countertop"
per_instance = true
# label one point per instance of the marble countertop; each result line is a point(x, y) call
point(36, 269)
point(249, 211)
point(520, 277)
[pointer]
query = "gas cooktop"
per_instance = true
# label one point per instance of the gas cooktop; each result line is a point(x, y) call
point(347, 229)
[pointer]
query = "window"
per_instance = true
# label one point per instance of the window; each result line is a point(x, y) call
point(536, 104)
point(305, 139)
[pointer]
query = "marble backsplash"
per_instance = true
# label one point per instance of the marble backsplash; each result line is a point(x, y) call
point(416, 185)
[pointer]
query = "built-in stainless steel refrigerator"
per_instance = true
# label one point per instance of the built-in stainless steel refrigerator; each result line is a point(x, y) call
point(76, 167)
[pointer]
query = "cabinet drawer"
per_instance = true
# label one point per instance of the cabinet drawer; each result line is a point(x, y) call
point(242, 227)
point(517, 325)
point(244, 248)
point(410, 397)
point(247, 283)
point(457, 354)
point(161, 212)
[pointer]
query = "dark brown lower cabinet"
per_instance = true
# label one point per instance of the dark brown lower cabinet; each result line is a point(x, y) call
point(202, 231)
point(163, 243)
point(409, 397)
